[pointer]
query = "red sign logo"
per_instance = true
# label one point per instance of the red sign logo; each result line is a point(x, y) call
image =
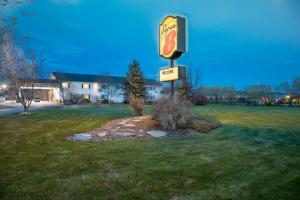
point(169, 42)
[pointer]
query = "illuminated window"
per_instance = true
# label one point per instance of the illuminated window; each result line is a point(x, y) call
point(85, 85)
point(85, 96)
point(96, 86)
point(65, 85)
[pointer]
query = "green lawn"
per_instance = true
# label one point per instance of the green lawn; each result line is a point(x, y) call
point(255, 155)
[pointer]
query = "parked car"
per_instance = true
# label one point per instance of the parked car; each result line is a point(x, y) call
point(36, 100)
point(279, 102)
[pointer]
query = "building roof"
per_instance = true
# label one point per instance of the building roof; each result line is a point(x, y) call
point(46, 83)
point(118, 80)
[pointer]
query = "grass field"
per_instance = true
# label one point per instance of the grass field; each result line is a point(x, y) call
point(255, 155)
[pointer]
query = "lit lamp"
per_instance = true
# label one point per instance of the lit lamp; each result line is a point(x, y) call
point(4, 86)
point(288, 96)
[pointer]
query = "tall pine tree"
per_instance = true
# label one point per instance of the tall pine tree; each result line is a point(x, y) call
point(135, 81)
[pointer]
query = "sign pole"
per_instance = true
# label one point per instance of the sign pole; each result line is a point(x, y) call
point(172, 82)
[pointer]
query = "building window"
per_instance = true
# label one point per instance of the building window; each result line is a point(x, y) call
point(96, 86)
point(85, 85)
point(103, 97)
point(85, 96)
point(65, 85)
point(103, 86)
point(150, 88)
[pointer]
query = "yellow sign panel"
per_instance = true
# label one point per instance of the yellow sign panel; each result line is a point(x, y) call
point(169, 74)
point(172, 37)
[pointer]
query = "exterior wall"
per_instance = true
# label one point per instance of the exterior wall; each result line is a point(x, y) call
point(56, 95)
point(92, 91)
point(115, 94)
point(96, 90)
point(55, 92)
point(153, 92)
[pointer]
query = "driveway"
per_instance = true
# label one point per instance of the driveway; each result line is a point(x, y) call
point(11, 107)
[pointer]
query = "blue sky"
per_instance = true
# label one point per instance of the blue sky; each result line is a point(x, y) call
point(236, 42)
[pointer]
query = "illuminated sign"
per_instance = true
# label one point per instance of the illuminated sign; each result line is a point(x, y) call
point(172, 74)
point(172, 41)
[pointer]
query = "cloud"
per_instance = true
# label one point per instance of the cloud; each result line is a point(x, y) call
point(66, 2)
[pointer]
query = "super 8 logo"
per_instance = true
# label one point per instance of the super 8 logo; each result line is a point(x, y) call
point(169, 38)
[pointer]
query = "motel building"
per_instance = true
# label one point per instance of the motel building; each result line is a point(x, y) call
point(90, 87)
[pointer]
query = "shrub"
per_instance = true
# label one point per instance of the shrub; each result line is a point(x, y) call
point(105, 101)
point(137, 104)
point(200, 100)
point(75, 98)
point(204, 125)
point(171, 113)
point(67, 102)
point(97, 101)
point(85, 101)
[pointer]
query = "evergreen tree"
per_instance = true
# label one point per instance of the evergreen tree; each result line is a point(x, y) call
point(135, 81)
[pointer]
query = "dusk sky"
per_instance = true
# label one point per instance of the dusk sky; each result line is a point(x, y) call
point(236, 42)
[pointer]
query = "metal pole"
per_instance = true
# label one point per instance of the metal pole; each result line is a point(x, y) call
point(172, 89)
point(172, 82)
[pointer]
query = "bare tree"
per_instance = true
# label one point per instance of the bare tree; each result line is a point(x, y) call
point(231, 95)
point(184, 89)
point(65, 91)
point(216, 92)
point(294, 91)
point(108, 87)
point(22, 73)
point(194, 75)
point(228, 94)
point(7, 24)
point(192, 82)
point(296, 85)
point(283, 87)
point(261, 92)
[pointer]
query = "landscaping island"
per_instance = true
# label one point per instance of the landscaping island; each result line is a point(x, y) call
point(141, 127)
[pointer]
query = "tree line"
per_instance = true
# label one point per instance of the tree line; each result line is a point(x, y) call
point(192, 90)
